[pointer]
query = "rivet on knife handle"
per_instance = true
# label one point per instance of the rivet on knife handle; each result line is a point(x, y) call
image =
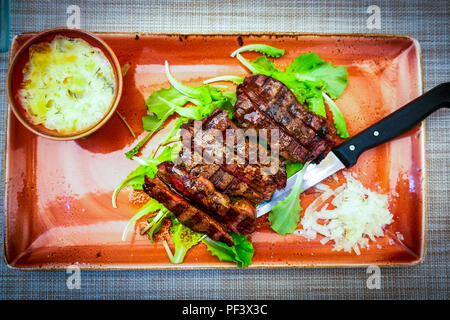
point(394, 124)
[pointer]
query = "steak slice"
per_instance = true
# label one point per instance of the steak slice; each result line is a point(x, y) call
point(219, 120)
point(276, 102)
point(187, 214)
point(293, 125)
point(248, 116)
point(227, 183)
point(252, 174)
point(239, 216)
point(284, 97)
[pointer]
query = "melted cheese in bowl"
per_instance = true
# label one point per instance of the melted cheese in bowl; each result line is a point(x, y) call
point(68, 85)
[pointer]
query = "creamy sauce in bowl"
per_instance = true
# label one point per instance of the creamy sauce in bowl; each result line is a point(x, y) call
point(68, 85)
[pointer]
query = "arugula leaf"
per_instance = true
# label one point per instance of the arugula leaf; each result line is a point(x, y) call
point(265, 66)
point(155, 223)
point(163, 103)
point(160, 104)
point(292, 167)
point(183, 239)
point(149, 168)
point(285, 214)
point(132, 152)
point(234, 79)
point(174, 133)
point(310, 66)
point(241, 252)
point(261, 48)
point(151, 206)
point(338, 118)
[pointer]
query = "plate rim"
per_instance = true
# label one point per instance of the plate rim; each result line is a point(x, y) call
point(93, 267)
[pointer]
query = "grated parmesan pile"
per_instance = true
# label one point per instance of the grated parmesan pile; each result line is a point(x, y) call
point(360, 215)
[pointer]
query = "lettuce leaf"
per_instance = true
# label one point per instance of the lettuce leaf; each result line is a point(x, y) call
point(241, 252)
point(310, 66)
point(163, 103)
point(148, 168)
point(183, 239)
point(155, 222)
point(292, 167)
point(261, 48)
point(338, 118)
point(151, 206)
point(285, 214)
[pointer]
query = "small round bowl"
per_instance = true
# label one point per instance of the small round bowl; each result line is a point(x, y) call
point(15, 80)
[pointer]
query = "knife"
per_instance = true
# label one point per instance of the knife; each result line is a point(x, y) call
point(347, 153)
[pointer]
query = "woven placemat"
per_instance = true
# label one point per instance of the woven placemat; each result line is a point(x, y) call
point(427, 21)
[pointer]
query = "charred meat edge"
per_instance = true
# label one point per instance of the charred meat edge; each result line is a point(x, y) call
point(250, 174)
point(239, 217)
point(248, 116)
point(186, 213)
point(225, 182)
point(219, 120)
point(262, 97)
point(265, 98)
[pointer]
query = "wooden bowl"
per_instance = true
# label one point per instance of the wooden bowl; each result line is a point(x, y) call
point(15, 80)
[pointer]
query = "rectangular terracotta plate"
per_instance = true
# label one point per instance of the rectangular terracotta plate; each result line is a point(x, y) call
point(58, 208)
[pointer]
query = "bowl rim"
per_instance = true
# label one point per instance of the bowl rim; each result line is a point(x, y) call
point(83, 35)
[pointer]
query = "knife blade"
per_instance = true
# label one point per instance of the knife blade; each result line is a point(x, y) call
point(347, 153)
point(314, 173)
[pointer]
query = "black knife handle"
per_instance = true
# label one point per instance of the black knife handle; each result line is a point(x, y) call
point(394, 124)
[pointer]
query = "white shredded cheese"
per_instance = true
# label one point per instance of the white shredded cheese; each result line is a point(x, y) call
point(359, 215)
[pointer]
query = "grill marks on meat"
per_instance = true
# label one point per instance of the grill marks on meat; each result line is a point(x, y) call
point(255, 175)
point(270, 99)
point(185, 212)
point(262, 103)
point(249, 116)
point(239, 216)
point(227, 183)
point(264, 99)
point(219, 120)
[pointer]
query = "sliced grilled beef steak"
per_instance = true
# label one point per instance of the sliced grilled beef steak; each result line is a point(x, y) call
point(282, 96)
point(253, 152)
point(249, 116)
point(261, 98)
point(239, 216)
point(226, 183)
point(255, 175)
point(185, 212)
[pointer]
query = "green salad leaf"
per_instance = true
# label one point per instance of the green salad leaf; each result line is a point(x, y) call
point(234, 79)
point(148, 167)
point(163, 103)
point(292, 167)
point(183, 239)
point(155, 223)
point(241, 252)
point(261, 48)
point(285, 214)
point(310, 66)
point(151, 206)
point(308, 77)
point(338, 118)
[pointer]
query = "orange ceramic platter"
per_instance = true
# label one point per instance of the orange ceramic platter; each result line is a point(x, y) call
point(58, 208)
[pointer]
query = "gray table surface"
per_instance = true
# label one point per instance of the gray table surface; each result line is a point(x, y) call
point(427, 21)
